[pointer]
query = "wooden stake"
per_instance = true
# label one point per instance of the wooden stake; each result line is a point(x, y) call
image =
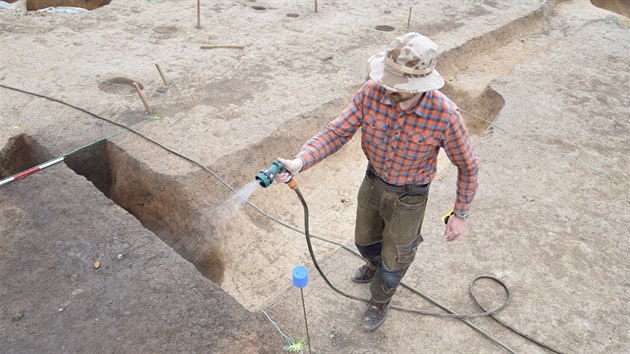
point(198, 13)
point(315, 5)
point(212, 46)
point(161, 74)
point(144, 100)
point(409, 19)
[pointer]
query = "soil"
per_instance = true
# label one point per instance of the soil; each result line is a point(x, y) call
point(184, 265)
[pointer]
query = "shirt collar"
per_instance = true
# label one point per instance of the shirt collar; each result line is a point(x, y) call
point(385, 99)
point(418, 110)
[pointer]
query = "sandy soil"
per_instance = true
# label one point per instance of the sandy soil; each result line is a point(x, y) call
point(549, 219)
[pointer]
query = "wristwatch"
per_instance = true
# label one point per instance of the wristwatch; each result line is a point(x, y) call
point(462, 216)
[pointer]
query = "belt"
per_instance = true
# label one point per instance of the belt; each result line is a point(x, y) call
point(406, 189)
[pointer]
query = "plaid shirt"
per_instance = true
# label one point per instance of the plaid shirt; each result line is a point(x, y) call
point(402, 147)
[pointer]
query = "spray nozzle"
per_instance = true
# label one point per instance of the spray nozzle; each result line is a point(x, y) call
point(265, 177)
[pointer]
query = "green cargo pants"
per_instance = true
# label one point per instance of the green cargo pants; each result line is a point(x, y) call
point(387, 232)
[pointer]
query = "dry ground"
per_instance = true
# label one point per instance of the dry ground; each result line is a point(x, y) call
point(184, 268)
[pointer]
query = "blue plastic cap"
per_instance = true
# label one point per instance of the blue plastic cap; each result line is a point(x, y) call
point(300, 276)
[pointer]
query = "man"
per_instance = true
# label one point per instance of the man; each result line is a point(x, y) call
point(404, 121)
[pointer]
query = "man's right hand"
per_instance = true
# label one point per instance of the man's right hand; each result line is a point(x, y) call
point(293, 167)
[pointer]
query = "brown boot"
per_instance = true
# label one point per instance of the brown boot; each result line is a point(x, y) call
point(375, 315)
point(365, 273)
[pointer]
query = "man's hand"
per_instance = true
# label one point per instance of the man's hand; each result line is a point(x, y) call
point(454, 228)
point(293, 167)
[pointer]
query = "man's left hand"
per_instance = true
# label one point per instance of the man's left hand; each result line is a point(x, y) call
point(454, 228)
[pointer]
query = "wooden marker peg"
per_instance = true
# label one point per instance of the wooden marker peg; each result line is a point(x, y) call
point(144, 100)
point(213, 46)
point(198, 13)
point(161, 74)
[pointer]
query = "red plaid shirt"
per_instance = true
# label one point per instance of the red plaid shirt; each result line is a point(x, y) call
point(402, 147)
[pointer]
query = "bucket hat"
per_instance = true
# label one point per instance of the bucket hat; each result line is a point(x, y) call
point(407, 65)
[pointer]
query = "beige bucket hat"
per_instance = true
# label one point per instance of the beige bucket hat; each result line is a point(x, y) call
point(407, 65)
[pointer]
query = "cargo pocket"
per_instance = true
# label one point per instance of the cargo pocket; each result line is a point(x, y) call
point(406, 253)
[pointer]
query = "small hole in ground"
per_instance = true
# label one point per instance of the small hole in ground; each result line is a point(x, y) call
point(119, 86)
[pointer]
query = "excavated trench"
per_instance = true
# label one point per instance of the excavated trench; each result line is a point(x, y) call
point(33, 5)
point(161, 203)
point(470, 68)
point(179, 209)
point(621, 7)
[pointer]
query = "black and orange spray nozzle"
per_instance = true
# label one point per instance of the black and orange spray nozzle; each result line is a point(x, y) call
point(266, 177)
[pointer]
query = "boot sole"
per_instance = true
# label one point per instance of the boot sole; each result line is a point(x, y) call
point(361, 281)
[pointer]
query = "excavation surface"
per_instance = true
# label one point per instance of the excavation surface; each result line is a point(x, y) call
point(148, 245)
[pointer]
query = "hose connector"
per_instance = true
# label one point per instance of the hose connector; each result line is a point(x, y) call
point(292, 183)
